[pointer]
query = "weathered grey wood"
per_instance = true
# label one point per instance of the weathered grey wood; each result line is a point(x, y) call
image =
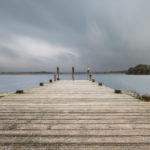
point(88, 73)
point(73, 73)
point(57, 73)
point(90, 77)
point(71, 115)
point(54, 77)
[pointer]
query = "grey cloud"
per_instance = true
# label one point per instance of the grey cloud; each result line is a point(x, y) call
point(8, 53)
point(105, 34)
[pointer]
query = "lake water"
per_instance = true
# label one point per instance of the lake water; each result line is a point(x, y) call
point(139, 83)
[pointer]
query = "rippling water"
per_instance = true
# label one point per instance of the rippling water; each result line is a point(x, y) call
point(139, 83)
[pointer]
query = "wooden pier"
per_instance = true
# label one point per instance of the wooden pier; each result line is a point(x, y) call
point(73, 115)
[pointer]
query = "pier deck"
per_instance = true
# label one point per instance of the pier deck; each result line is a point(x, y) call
point(73, 115)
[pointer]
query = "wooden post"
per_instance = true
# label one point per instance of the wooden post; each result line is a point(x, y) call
point(100, 84)
point(93, 80)
point(90, 77)
point(50, 81)
point(57, 73)
point(72, 73)
point(41, 84)
point(19, 91)
point(88, 73)
point(117, 91)
point(54, 77)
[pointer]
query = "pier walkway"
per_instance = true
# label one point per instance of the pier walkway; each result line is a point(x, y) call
point(73, 115)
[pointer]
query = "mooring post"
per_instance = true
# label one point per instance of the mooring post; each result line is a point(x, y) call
point(88, 73)
point(90, 77)
point(57, 73)
point(50, 81)
point(19, 92)
point(72, 73)
point(41, 84)
point(117, 91)
point(93, 80)
point(100, 84)
point(54, 77)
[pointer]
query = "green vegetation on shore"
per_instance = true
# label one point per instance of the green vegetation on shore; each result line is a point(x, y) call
point(139, 69)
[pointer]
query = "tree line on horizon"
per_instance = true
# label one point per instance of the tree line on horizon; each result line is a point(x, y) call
point(139, 69)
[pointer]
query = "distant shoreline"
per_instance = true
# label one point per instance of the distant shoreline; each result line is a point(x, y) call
point(61, 73)
point(55, 73)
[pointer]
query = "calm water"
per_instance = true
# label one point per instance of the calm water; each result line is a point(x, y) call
point(139, 83)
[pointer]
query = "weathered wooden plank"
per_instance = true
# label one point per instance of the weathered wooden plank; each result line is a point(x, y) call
point(57, 146)
point(73, 115)
point(62, 132)
point(75, 139)
point(77, 121)
point(78, 126)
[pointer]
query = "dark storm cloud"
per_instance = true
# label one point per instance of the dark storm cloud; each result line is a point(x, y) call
point(103, 34)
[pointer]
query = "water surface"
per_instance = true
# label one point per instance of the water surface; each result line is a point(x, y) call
point(139, 83)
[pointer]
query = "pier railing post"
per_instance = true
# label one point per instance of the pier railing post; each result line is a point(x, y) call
point(54, 77)
point(57, 73)
point(90, 77)
point(72, 73)
point(88, 73)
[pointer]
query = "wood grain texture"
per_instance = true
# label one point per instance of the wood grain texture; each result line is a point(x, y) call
point(71, 115)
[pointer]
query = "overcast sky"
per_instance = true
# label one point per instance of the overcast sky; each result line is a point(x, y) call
point(37, 35)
